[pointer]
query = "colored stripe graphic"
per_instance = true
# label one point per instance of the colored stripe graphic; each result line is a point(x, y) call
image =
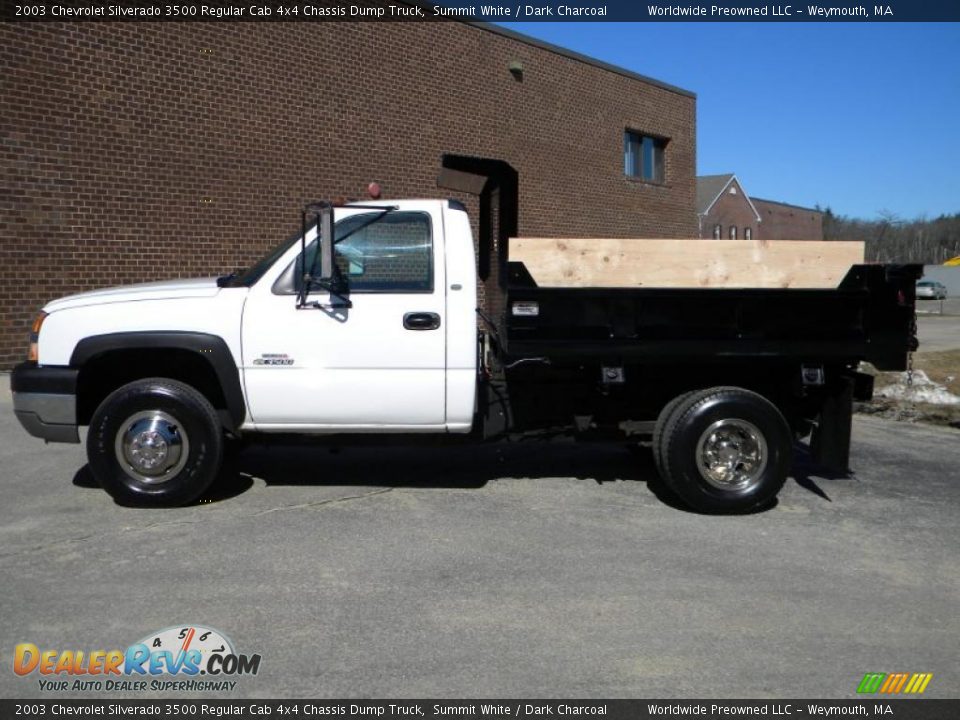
point(918, 683)
point(894, 683)
point(871, 683)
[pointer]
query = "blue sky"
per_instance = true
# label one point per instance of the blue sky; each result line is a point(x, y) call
point(859, 117)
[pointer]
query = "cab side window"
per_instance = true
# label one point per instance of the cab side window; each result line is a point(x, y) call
point(375, 253)
point(392, 254)
point(389, 253)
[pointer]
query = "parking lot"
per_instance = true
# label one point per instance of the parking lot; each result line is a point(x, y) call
point(521, 570)
point(938, 330)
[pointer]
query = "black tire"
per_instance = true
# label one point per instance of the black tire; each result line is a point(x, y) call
point(164, 422)
point(748, 437)
point(659, 429)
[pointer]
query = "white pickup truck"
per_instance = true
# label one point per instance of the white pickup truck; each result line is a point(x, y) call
point(374, 329)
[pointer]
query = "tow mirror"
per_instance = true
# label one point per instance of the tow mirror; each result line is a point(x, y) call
point(325, 245)
point(323, 272)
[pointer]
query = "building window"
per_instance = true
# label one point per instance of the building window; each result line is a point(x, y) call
point(733, 232)
point(748, 233)
point(717, 231)
point(643, 156)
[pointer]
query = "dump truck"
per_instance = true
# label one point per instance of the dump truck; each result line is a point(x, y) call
point(365, 325)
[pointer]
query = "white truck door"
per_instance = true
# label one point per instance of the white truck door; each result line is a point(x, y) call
point(377, 365)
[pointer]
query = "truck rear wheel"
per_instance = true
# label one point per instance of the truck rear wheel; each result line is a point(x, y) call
point(725, 450)
point(155, 442)
point(663, 420)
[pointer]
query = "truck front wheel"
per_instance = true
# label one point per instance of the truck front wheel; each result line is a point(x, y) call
point(155, 442)
point(726, 450)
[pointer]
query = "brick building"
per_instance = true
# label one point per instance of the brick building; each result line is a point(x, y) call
point(782, 221)
point(133, 152)
point(724, 210)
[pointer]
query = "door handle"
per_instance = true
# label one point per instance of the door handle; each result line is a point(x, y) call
point(421, 321)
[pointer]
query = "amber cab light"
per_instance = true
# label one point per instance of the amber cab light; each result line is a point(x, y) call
point(33, 353)
point(37, 322)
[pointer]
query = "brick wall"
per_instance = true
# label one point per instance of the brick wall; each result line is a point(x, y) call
point(730, 210)
point(788, 222)
point(132, 152)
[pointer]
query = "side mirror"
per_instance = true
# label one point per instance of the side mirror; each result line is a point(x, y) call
point(325, 239)
point(323, 271)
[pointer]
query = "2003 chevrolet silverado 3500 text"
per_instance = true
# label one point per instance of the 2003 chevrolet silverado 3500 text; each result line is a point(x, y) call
point(372, 327)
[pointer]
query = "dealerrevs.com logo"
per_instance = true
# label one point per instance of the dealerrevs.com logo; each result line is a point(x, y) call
point(179, 658)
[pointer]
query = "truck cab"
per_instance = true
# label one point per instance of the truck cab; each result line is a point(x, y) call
point(391, 349)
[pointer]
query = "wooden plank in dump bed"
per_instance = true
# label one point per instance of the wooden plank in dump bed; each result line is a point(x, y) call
point(566, 262)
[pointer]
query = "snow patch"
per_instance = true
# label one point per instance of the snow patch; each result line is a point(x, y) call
point(923, 390)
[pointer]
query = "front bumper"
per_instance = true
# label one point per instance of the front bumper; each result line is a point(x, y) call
point(45, 401)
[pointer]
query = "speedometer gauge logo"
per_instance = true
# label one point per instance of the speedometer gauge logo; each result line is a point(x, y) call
point(179, 644)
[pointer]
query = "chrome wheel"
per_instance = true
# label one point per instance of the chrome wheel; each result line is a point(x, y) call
point(152, 447)
point(732, 455)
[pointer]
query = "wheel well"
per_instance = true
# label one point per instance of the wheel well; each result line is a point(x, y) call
point(104, 373)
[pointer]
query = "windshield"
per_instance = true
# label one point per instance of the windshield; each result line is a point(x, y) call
point(248, 277)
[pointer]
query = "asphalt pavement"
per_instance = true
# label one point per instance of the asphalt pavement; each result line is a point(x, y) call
point(521, 571)
point(938, 330)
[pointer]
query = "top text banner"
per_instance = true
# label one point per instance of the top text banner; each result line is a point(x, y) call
point(504, 11)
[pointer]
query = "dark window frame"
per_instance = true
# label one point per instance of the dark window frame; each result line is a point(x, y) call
point(635, 146)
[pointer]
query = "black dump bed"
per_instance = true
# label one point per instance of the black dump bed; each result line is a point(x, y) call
point(870, 316)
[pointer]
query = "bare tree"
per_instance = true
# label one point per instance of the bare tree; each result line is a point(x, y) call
point(891, 239)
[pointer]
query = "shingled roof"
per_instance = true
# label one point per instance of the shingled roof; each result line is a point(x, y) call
point(709, 188)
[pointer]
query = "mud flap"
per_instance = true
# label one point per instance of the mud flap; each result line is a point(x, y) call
point(495, 412)
point(830, 444)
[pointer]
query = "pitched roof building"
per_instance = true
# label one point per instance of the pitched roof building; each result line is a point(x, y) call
point(725, 210)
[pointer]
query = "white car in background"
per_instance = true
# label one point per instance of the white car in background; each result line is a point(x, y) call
point(931, 290)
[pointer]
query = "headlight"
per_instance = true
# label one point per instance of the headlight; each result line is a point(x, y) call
point(33, 354)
